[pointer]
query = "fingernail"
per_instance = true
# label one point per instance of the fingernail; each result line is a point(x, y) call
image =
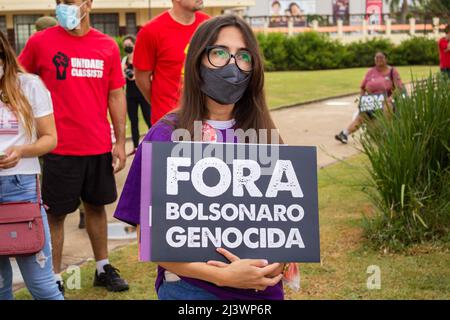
point(265, 262)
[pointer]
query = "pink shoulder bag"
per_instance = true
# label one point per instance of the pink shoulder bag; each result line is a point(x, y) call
point(21, 227)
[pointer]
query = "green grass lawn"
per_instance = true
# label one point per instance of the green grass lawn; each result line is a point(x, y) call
point(287, 88)
point(421, 272)
point(292, 87)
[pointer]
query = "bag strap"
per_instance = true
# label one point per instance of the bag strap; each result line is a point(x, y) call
point(38, 190)
point(391, 75)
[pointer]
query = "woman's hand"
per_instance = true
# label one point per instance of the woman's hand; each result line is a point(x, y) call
point(247, 273)
point(13, 156)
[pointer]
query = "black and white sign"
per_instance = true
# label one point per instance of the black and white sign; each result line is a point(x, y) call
point(257, 201)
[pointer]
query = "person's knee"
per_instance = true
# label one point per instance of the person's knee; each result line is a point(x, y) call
point(56, 220)
point(92, 209)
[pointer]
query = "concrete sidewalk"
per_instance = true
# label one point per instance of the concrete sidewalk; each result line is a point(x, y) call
point(307, 125)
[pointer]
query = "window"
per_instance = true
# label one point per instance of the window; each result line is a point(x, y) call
point(3, 25)
point(23, 28)
point(131, 23)
point(106, 22)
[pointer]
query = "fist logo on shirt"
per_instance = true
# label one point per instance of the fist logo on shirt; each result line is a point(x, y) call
point(61, 62)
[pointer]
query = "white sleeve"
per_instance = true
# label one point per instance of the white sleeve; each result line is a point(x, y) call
point(38, 96)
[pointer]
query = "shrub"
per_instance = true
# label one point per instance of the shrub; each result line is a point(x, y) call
point(119, 40)
point(361, 54)
point(417, 50)
point(273, 48)
point(313, 51)
point(409, 155)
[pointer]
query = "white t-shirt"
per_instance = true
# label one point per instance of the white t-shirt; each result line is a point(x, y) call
point(12, 132)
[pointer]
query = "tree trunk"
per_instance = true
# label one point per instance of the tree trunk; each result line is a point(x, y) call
point(404, 11)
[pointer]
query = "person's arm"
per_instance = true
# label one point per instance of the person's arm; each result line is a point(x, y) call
point(46, 142)
point(362, 87)
point(240, 273)
point(144, 82)
point(118, 111)
point(443, 46)
point(398, 83)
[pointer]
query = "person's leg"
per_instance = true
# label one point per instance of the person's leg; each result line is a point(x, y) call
point(82, 223)
point(37, 270)
point(146, 110)
point(56, 224)
point(6, 277)
point(96, 227)
point(354, 125)
point(99, 189)
point(61, 189)
point(132, 109)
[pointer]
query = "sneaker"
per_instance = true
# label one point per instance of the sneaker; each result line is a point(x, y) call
point(60, 285)
point(110, 279)
point(341, 137)
point(82, 223)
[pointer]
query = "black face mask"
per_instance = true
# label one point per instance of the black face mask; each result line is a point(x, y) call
point(226, 85)
point(128, 49)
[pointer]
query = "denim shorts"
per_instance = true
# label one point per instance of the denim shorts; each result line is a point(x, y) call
point(181, 290)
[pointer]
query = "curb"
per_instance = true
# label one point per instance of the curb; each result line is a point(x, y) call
point(312, 101)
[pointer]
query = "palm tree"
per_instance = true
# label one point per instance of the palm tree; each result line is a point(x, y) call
point(395, 6)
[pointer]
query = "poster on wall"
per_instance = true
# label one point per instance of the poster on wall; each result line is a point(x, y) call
point(374, 12)
point(341, 11)
point(281, 10)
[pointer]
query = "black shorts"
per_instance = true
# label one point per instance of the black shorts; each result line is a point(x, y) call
point(67, 179)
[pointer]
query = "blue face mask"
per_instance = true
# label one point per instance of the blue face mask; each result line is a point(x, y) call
point(69, 15)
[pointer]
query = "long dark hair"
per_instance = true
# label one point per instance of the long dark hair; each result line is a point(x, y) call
point(251, 111)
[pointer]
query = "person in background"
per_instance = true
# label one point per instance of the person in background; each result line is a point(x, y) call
point(45, 22)
point(82, 69)
point(41, 24)
point(381, 79)
point(135, 99)
point(444, 52)
point(160, 51)
point(27, 131)
point(223, 89)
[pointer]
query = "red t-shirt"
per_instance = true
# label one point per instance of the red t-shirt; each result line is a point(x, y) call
point(444, 56)
point(79, 72)
point(161, 47)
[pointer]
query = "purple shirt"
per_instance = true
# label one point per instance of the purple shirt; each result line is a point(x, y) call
point(128, 210)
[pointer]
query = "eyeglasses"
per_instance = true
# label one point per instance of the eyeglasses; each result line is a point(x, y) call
point(220, 56)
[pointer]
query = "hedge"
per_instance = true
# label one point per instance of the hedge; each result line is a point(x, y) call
point(314, 51)
point(317, 51)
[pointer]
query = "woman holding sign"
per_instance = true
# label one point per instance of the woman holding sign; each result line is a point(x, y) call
point(223, 90)
point(376, 93)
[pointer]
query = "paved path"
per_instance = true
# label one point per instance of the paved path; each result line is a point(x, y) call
point(310, 124)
